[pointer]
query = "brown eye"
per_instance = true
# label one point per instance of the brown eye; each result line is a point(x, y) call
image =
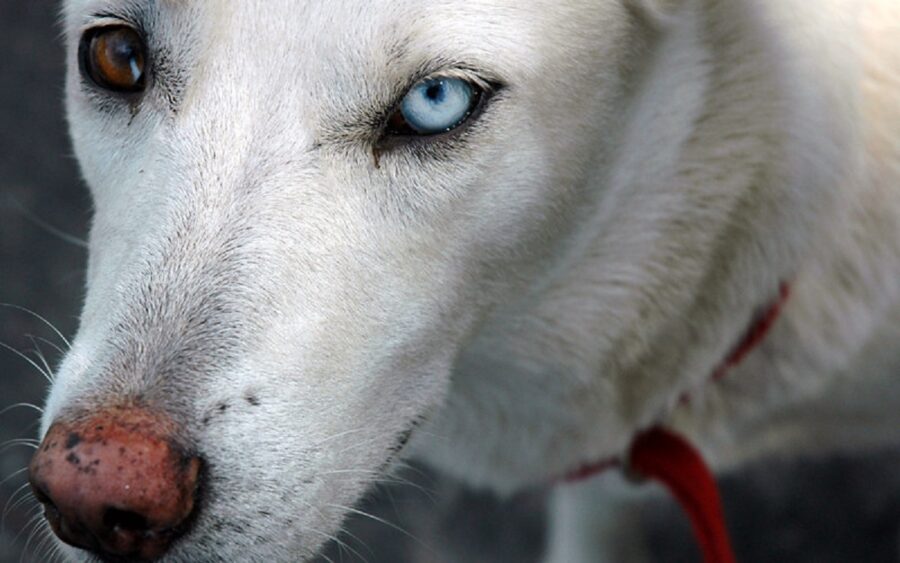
point(114, 58)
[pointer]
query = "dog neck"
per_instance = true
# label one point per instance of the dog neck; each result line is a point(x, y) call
point(663, 456)
point(756, 332)
point(635, 311)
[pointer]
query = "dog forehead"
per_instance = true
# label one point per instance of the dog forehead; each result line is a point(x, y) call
point(311, 18)
point(310, 31)
point(356, 38)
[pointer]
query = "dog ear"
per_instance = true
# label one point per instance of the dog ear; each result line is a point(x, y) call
point(658, 13)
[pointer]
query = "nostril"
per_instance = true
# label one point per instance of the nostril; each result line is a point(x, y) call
point(125, 521)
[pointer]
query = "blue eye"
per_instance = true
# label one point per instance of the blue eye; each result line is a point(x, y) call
point(436, 105)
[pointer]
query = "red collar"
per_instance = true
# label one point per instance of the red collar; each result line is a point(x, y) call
point(662, 455)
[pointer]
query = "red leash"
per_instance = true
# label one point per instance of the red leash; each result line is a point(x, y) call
point(668, 458)
point(662, 455)
point(756, 334)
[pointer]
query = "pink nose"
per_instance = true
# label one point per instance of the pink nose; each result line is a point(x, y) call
point(113, 482)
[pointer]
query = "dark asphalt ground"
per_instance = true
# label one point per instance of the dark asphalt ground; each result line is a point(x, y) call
point(834, 510)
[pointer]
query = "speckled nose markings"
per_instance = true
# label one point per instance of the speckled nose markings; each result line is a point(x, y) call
point(114, 482)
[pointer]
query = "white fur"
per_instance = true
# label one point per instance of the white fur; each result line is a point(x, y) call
point(650, 174)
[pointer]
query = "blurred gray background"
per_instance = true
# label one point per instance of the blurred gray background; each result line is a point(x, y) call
point(833, 510)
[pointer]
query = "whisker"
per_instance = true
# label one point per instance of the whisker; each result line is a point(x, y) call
point(56, 552)
point(401, 465)
point(10, 505)
point(50, 343)
point(37, 529)
point(40, 355)
point(338, 435)
point(33, 442)
point(386, 523)
point(341, 471)
point(341, 545)
point(35, 424)
point(366, 442)
point(10, 445)
point(40, 318)
point(47, 376)
point(350, 549)
point(393, 500)
point(321, 554)
point(359, 541)
point(322, 515)
point(44, 549)
point(33, 520)
point(20, 405)
point(13, 474)
point(379, 478)
point(329, 537)
point(427, 487)
point(62, 235)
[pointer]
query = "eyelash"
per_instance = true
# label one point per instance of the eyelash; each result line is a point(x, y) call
point(105, 99)
point(388, 139)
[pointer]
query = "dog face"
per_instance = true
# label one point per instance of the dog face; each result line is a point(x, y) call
point(285, 256)
point(307, 214)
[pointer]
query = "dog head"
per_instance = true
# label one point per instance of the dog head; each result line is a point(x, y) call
point(285, 257)
point(302, 212)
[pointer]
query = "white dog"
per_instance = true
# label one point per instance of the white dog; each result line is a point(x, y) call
point(514, 233)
